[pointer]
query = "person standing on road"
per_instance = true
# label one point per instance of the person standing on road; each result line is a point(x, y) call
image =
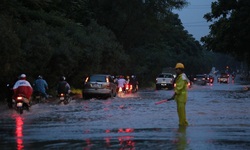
point(180, 93)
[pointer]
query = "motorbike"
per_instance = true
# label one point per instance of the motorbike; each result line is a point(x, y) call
point(20, 104)
point(64, 98)
point(127, 88)
point(134, 88)
point(38, 97)
point(120, 91)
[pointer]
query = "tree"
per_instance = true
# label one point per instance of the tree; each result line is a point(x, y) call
point(230, 30)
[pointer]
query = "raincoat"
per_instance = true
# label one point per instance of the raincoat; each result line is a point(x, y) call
point(23, 87)
point(181, 98)
point(40, 85)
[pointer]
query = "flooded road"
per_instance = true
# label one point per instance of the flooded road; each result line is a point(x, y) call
point(218, 115)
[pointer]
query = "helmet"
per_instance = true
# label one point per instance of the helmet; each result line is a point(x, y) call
point(40, 77)
point(22, 76)
point(63, 78)
point(179, 65)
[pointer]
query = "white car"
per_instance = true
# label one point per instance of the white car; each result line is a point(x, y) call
point(224, 78)
point(165, 80)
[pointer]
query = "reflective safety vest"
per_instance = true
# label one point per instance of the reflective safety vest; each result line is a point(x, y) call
point(181, 88)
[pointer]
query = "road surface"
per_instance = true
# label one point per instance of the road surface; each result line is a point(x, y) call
point(218, 115)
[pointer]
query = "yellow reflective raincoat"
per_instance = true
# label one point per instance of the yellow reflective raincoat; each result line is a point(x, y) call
point(181, 98)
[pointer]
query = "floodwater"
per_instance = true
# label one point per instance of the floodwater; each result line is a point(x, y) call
point(218, 115)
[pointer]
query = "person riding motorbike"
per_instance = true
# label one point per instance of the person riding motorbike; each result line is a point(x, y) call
point(127, 79)
point(121, 82)
point(40, 86)
point(22, 87)
point(134, 83)
point(63, 86)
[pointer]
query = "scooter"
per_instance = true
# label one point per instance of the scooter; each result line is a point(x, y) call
point(134, 88)
point(120, 91)
point(64, 98)
point(127, 88)
point(38, 97)
point(20, 104)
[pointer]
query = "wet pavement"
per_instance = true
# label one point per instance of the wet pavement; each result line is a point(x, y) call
point(218, 115)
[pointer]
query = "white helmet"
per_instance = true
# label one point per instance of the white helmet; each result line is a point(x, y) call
point(22, 76)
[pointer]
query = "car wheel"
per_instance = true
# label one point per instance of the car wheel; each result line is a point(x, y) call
point(111, 95)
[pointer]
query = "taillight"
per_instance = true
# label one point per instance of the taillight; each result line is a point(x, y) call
point(62, 94)
point(120, 89)
point(127, 86)
point(86, 80)
point(19, 98)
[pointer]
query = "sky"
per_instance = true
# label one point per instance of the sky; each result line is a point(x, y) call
point(192, 17)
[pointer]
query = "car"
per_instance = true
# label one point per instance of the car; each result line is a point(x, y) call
point(224, 78)
point(99, 85)
point(200, 79)
point(164, 80)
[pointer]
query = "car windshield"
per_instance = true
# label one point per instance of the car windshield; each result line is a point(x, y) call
point(224, 75)
point(161, 76)
point(168, 76)
point(97, 79)
point(165, 76)
point(200, 76)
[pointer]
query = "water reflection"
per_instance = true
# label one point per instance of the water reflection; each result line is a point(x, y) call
point(181, 138)
point(19, 132)
point(125, 140)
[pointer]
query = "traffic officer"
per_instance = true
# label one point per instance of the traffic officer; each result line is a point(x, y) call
point(180, 93)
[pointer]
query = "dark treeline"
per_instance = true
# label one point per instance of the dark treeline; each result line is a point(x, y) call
point(230, 30)
point(76, 38)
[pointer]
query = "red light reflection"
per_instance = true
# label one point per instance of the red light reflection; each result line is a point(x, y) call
point(88, 141)
point(19, 132)
point(125, 141)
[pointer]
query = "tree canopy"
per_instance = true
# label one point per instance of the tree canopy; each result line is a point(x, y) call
point(230, 30)
point(80, 37)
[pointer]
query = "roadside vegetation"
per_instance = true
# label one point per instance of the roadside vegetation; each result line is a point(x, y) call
point(81, 37)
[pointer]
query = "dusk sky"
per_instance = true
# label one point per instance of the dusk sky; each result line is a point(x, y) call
point(192, 17)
